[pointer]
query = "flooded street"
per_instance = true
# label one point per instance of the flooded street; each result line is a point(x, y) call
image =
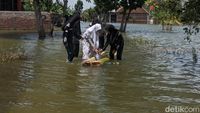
point(157, 71)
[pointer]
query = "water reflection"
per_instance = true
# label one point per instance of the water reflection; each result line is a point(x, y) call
point(10, 86)
point(91, 88)
point(156, 71)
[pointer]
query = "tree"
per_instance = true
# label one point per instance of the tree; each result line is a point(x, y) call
point(78, 6)
point(28, 5)
point(46, 5)
point(64, 6)
point(87, 14)
point(103, 7)
point(39, 19)
point(57, 9)
point(151, 6)
point(128, 5)
point(167, 12)
point(191, 13)
point(190, 16)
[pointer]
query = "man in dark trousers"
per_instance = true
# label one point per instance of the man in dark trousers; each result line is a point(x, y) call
point(70, 33)
point(115, 40)
point(76, 37)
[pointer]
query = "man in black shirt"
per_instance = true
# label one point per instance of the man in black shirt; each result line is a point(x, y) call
point(115, 40)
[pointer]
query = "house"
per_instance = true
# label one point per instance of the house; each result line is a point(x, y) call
point(139, 16)
point(11, 5)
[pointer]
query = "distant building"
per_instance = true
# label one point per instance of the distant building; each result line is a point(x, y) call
point(112, 16)
point(10, 5)
point(139, 16)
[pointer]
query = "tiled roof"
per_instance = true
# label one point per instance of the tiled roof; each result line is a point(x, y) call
point(138, 10)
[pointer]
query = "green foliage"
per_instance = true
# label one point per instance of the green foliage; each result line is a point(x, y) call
point(49, 6)
point(56, 8)
point(46, 5)
point(87, 15)
point(128, 5)
point(79, 6)
point(131, 4)
point(151, 6)
point(168, 12)
point(191, 12)
point(28, 6)
point(191, 17)
point(69, 11)
point(103, 6)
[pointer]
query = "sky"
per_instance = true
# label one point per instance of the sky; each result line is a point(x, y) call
point(86, 5)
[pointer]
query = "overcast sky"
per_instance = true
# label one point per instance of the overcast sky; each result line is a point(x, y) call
point(86, 5)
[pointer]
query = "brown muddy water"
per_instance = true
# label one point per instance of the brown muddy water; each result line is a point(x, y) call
point(157, 75)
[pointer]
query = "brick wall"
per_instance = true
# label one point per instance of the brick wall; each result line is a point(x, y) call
point(22, 20)
point(137, 18)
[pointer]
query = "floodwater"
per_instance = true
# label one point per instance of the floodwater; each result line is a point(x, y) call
point(157, 74)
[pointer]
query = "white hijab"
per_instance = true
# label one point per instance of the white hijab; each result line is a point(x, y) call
point(91, 33)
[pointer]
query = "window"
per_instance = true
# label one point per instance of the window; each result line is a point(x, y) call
point(8, 5)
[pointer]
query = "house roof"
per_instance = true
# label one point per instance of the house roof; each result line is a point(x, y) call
point(137, 11)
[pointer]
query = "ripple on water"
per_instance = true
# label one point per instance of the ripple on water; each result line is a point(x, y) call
point(156, 70)
point(175, 100)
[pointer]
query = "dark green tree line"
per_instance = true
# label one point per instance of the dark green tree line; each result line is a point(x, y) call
point(191, 17)
point(104, 6)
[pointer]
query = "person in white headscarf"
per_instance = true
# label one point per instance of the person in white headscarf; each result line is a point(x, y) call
point(90, 42)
